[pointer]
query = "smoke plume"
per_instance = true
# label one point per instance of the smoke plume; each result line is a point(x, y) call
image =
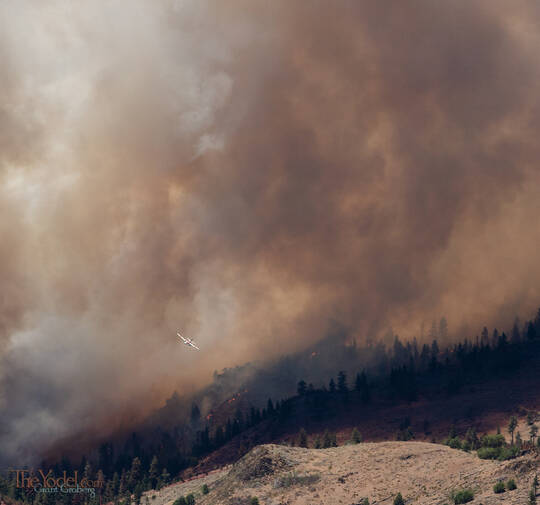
point(245, 172)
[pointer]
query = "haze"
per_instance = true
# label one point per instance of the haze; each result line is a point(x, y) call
point(246, 172)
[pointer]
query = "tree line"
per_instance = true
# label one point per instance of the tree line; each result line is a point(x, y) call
point(402, 372)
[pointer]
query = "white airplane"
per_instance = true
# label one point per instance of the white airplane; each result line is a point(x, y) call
point(188, 341)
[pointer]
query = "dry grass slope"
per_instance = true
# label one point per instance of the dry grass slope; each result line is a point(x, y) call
point(424, 473)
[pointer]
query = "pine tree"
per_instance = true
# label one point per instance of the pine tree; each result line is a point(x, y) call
point(484, 336)
point(533, 432)
point(123, 486)
point(220, 437)
point(531, 331)
point(327, 440)
point(433, 331)
point(472, 438)
point(100, 477)
point(82, 466)
point(137, 492)
point(115, 483)
point(516, 335)
point(88, 473)
point(153, 472)
point(195, 414)
point(239, 419)
point(105, 461)
point(443, 329)
point(302, 438)
point(109, 491)
point(332, 386)
point(356, 437)
point(512, 425)
point(228, 430)
point(358, 383)
point(164, 478)
point(135, 474)
point(342, 382)
point(366, 394)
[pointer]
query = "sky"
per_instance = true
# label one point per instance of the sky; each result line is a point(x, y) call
point(247, 172)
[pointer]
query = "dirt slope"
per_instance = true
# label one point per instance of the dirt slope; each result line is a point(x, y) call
point(424, 473)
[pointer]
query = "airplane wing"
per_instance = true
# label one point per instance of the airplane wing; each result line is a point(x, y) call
point(188, 341)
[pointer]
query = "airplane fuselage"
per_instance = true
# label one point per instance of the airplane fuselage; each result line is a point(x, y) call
point(188, 341)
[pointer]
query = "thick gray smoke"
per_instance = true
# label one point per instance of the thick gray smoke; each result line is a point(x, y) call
point(246, 171)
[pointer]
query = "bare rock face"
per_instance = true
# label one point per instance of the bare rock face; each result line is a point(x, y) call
point(262, 461)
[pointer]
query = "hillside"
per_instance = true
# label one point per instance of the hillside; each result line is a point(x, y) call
point(377, 389)
point(483, 406)
point(423, 473)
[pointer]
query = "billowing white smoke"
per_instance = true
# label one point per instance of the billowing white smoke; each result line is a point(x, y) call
point(246, 171)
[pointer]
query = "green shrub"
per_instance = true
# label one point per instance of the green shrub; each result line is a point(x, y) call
point(471, 439)
point(454, 443)
point(489, 452)
point(398, 500)
point(356, 437)
point(499, 487)
point(365, 501)
point(508, 453)
point(462, 496)
point(254, 501)
point(180, 501)
point(500, 453)
point(492, 441)
point(205, 489)
point(329, 440)
point(511, 485)
point(302, 438)
point(190, 499)
point(405, 435)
